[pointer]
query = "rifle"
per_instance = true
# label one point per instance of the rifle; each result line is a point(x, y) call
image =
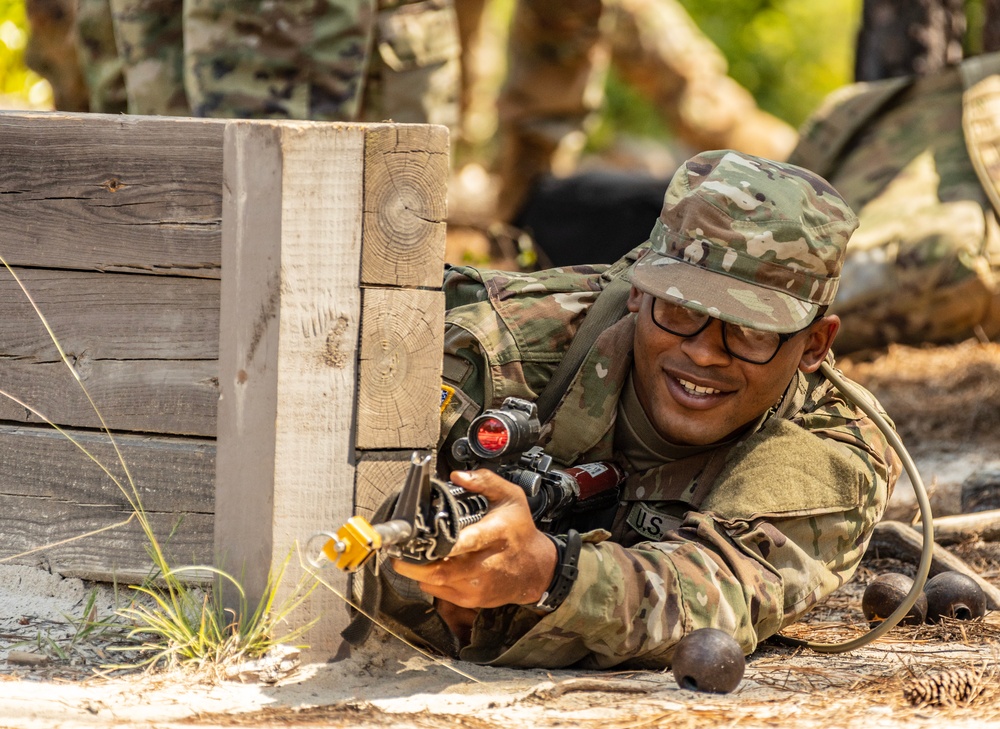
point(429, 513)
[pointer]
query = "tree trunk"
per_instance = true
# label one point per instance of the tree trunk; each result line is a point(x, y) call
point(908, 37)
point(991, 26)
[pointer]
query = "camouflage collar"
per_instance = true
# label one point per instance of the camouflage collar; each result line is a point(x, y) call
point(585, 416)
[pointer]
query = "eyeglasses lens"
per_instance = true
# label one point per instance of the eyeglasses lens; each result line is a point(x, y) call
point(750, 345)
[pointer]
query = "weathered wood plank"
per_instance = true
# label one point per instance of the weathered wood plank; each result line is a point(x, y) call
point(108, 192)
point(110, 316)
point(399, 389)
point(406, 175)
point(115, 555)
point(288, 350)
point(171, 474)
point(148, 396)
point(50, 491)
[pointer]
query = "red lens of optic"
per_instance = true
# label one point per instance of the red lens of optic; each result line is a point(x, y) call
point(492, 435)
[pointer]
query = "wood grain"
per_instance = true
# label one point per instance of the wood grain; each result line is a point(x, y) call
point(115, 555)
point(399, 389)
point(406, 176)
point(110, 316)
point(171, 474)
point(147, 396)
point(51, 491)
point(104, 192)
point(380, 474)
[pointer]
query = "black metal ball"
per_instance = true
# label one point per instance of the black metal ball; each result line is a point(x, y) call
point(886, 593)
point(710, 660)
point(954, 595)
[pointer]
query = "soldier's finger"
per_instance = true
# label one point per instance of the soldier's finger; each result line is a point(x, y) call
point(492, 534)
point(485, 482)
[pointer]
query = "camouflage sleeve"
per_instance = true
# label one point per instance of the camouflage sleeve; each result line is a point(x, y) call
point(786, 525)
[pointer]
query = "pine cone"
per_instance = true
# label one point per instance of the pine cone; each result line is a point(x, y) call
point(944, 689)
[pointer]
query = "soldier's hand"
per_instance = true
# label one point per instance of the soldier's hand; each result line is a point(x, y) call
point(500, 560)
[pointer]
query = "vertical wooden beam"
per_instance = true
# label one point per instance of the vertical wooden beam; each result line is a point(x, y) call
point(402, 326)
point(405, 209)
point(289, 323)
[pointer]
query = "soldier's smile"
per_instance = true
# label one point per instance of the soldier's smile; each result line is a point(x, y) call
point(697, 390)
point(696, 393)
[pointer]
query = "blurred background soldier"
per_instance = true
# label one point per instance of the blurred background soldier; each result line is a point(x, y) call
point(913, 149)
point(559, 54)
point(542, 201)
point(294, 59)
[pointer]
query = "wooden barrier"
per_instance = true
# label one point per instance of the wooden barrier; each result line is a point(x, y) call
point(255, 308)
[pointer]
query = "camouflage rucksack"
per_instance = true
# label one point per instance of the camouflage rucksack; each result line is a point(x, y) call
point(919, 161)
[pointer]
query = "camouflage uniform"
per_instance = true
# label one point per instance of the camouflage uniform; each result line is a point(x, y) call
point(924, 264)
point(296, 59)
point(744, 535)
point(559, 52)
point(150, 46)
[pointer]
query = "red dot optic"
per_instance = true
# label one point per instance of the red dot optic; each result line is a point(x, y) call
point(492, 435)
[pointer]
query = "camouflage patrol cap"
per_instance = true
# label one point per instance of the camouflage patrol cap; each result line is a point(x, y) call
point(748, 240)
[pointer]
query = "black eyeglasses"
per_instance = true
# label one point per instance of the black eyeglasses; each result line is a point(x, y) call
point(750, 345)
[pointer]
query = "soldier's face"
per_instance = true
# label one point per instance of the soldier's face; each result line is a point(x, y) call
point(695, 393)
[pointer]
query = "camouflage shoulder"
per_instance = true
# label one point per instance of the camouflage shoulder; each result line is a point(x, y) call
point(537, 313)
point(823, 400)
point(839, 117)
point(469, 284)
point(833, 415)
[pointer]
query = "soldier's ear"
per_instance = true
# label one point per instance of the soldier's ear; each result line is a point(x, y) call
point(820, 336)
point(634, 300)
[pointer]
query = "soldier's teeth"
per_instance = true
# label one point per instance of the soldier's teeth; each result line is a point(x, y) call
point(698, 389)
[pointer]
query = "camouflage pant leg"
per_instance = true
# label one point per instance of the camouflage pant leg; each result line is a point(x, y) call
point(98, 56)
point(558, 55)
point(554, 81)
point(415, 71)
point(297, 59)
point(657, 48)
point(151, 45)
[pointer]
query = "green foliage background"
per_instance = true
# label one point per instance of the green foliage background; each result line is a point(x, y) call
point(15, 79)
point(788, 53)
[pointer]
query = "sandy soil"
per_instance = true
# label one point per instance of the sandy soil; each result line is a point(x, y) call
point(389, 686)
point(945, 403)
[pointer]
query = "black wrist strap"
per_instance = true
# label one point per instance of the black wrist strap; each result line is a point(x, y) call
point(567, 570)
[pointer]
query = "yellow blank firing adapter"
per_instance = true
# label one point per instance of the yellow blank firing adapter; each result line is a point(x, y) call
point(351, 546)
